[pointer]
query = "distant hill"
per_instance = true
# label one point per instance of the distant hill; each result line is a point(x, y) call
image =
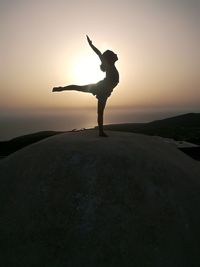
point(8, 147)
point(184, 127)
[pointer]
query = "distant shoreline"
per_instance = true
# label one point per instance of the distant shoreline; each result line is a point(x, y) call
point(184, 128)
point(17, 123)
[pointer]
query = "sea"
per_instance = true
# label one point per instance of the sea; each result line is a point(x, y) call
point(18, 123)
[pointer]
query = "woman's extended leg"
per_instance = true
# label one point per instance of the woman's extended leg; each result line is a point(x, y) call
point(81, 88)
point(100, 110)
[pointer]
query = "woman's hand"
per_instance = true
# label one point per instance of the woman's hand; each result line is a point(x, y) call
point(88, 39)
point(94, 48)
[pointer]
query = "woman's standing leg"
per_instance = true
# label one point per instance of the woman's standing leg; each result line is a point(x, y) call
point(100, 110)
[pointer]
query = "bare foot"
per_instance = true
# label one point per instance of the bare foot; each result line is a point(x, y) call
point(102, 134)
point(57, 89)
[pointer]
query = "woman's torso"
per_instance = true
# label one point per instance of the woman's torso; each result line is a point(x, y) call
point(104, 88)
point(112, 75)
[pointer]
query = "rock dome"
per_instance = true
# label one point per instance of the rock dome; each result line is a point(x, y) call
point(79, 200)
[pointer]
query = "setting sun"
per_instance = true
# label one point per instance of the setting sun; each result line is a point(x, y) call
point(86, 69)
point(44, 45)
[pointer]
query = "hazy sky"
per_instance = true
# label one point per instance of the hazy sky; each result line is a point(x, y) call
point(43, 45)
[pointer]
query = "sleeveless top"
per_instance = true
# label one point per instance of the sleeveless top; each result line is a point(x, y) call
point(104, 88)
point(112, 75)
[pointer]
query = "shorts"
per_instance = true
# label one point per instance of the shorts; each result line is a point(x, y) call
point(102, 90)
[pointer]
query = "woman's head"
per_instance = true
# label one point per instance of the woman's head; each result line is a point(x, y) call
point(110, 56)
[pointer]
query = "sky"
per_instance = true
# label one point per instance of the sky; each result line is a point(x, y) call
point(43, 44)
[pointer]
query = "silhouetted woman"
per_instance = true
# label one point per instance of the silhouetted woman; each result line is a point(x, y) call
point(103, 89)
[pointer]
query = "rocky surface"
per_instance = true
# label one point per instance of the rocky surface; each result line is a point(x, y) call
point(79, 200)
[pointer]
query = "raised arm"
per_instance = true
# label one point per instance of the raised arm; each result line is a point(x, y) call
point(94, 48)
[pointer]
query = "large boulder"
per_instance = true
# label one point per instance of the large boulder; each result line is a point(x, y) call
point(79, 200)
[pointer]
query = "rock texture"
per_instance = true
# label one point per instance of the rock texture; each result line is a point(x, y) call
point(79, 200)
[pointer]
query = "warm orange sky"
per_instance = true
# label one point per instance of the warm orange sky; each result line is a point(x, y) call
point(43, 45)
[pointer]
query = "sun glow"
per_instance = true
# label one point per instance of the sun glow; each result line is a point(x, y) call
point(86, 69)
